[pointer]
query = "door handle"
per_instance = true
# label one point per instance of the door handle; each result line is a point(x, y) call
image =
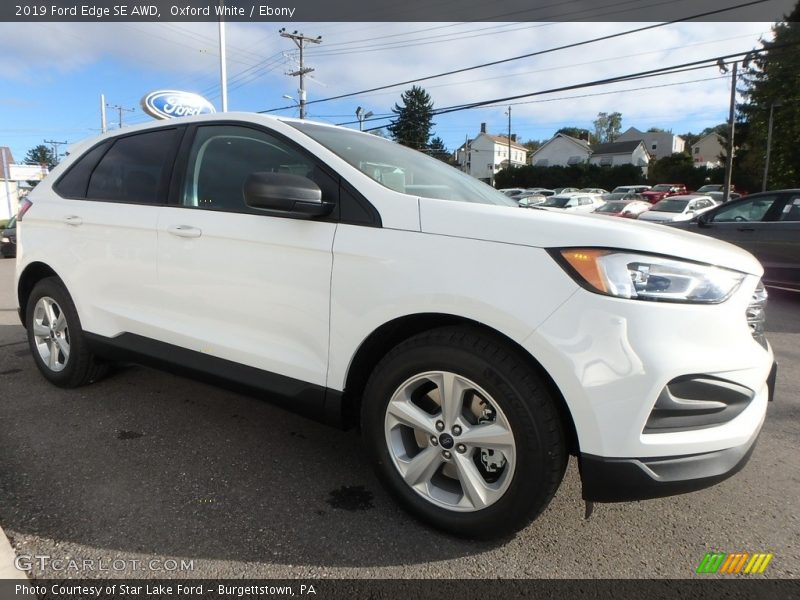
point(185, 231)
point(73, 220)
point(745, 229)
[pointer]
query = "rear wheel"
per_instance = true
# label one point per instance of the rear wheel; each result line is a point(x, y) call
point(56, 339)
point(463, 433)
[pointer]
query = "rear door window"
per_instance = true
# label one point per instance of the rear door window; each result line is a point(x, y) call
point(135, 169)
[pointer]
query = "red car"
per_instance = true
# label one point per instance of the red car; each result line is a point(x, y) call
point(662, 190)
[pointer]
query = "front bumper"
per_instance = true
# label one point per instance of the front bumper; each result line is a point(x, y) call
point(624, 479)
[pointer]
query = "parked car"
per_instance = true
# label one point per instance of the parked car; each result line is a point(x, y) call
point(636, 189)
point(8, 239)
point(718, 196)
point(511, 191)
point(543, 191)
point(614, 196)
point(574, 202)
point(712, 187)
point(530, 200)
point(678, 208)
point(598, 191)
point(663, 190)
point(368, 284)
point(766, 224)
point(624, 208)
point(565, 190)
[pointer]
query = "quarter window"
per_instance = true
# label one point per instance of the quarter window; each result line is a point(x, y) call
point(791, 212)
point(133, 170)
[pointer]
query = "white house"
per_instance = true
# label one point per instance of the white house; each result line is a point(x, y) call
point(10, 176)
point(620, 153)
point(658, 143)
point(561, 150)
point(483, 156)
point(706, 151)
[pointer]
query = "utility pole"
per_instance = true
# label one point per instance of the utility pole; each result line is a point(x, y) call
point(300, 41)
point(223, 69)
point(120, 109)
point(3, 154)
point(361, 115)
point(103, 127)
point(775, 103)
point(55, 146)
point(509, 138)
point(726, 190)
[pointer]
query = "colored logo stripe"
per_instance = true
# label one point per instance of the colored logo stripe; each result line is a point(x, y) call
point(734, 563)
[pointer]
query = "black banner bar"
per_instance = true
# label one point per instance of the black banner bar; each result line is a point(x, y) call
point(705, 586)
point(289, 11)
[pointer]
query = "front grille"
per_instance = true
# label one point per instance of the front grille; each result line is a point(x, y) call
point(756, 314)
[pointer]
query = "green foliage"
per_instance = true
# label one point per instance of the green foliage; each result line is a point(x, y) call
point(773, 77)
point(583, 175)
point(607, 127)
point(679, 168)
point(413, 124)
point(40, 155)
point(576, 132)
point(437, 150)
point(534, 145)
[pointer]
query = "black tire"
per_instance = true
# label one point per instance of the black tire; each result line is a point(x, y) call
point(81, 367)
point(514, 386)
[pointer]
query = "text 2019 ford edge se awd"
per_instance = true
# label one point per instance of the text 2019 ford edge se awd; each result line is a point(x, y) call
point(366, 283)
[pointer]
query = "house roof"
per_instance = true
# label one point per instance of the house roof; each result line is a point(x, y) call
point(584, 145)
point(708, 135)
point(503, 141)
point(9, 157)
point(616, 147)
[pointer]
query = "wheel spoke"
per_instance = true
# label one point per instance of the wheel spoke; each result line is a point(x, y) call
point(422, 467)
point(488, 435)
point(451, 391)
point(476, 490)
point(40, 330)
point(63, 346)
point(406, 413)
point(52, 361)
point(61, 323)
point(48, 310)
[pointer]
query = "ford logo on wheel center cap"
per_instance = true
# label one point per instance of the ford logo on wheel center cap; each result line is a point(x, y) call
point(168, 104)
point(446, 440)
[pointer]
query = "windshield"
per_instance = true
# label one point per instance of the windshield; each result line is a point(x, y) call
point(710, 188)
point(402, 169)
point(12, 223)
point(671, 206)
point(556, 201)
point(662, 187)
point(612, 207)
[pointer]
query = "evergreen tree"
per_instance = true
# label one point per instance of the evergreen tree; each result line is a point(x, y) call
point(438, 150)
point(771, 81)
point(413, 124)
point(40, 155)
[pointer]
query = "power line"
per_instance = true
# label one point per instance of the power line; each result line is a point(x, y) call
point(529, 55)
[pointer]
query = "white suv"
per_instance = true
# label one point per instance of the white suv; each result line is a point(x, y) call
point(368, 284)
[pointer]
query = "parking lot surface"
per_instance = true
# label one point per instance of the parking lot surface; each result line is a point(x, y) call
point(146, 468)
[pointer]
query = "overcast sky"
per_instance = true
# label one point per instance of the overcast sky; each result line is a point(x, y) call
point(54, 73)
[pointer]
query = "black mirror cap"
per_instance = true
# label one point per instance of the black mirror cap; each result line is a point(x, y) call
point(285, 193)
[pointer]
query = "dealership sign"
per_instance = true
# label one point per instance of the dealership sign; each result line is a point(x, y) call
point(167, 104)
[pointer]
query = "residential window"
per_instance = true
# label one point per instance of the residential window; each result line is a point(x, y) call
point(606, 161)
point(654, 145)
point(697, 150)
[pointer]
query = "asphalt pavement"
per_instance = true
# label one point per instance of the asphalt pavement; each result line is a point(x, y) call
point(152, 470)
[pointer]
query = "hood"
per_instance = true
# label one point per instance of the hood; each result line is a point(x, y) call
point(554, 229)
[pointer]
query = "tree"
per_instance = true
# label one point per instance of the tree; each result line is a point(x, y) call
point(438, 150)
point(607, 127)
point(771, 81)
point(576, 132)
point(533, 145)
point(412, 127)
point(41, 155)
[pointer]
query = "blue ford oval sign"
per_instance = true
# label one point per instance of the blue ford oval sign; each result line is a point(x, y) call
point(167, 104)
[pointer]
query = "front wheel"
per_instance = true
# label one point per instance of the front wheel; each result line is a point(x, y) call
point(56, 339)
point(463, 433)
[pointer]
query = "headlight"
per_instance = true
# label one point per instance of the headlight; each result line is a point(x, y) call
point(646, 276)
point(5, 240)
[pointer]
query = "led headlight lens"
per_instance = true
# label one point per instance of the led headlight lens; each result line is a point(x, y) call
point(648, 277)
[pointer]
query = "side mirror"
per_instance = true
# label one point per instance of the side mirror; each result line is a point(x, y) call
point(285, 193)
point(703, 220)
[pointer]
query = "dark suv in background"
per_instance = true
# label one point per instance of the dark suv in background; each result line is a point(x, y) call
point(8, 239)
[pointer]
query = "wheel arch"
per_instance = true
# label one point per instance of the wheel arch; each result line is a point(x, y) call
point(33, 274)
point(390, 334)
